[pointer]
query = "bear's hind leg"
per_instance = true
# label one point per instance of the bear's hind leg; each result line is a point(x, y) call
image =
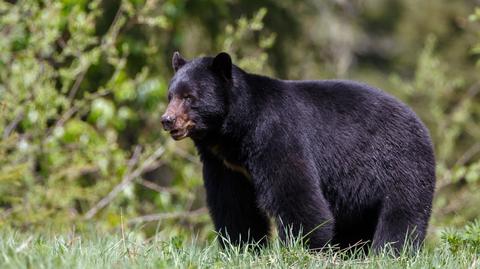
point(398, 227)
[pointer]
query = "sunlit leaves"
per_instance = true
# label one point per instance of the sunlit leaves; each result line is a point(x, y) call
point(244, 31)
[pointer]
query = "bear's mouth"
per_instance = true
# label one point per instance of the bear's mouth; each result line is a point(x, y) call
point(179, 134)
point(182, 131)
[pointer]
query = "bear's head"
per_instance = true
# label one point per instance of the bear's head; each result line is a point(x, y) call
point(197, 96)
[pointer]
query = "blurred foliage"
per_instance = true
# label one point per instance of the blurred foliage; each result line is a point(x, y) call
point(83, 85)
point(467, 239)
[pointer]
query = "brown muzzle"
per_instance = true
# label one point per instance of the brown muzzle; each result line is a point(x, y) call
point(176, 120)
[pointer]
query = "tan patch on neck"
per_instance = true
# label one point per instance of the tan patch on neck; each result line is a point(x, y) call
point(237, 168)
point(232, 166)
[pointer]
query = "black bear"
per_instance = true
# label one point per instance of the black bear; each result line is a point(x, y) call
point(338, 160)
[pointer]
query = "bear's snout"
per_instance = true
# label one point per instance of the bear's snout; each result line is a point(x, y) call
point(176, 119)
point(168, 122)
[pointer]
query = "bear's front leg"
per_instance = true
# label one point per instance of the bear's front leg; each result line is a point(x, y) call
point(289, 191)
point(232, 205)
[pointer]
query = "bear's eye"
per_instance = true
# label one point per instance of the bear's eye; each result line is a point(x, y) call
point(188, 98)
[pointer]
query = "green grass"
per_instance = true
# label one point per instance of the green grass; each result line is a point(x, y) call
point(18, 250)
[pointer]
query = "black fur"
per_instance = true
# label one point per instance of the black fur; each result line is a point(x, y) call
point(341, 160)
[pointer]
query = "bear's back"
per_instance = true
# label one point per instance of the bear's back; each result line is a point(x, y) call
point(357, 134)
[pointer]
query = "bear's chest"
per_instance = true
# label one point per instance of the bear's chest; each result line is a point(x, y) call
point(230, 159)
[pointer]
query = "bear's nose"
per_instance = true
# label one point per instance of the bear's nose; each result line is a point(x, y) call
point(168, 122)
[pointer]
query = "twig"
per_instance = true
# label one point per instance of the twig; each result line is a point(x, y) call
point(468, 154)
point(133, 160)
point(73, 91)
point(111, 29)
point(113, 32)
point(170, 215)
point(13, 125)
point(128, 178)
point(20, 115)
point(76, 84)
point(187, 156)
point(117, 189)
point(155, 187)
point(70, 112)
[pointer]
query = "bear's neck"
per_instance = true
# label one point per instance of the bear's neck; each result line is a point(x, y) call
point(241, 107)
point(246, 100)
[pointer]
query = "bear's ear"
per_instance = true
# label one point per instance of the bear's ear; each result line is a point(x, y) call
point(222, 65)
point(178, 61)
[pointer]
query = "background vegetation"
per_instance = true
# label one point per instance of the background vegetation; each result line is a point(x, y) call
point(83, 85)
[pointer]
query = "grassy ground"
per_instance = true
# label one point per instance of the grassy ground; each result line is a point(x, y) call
point(127, 251)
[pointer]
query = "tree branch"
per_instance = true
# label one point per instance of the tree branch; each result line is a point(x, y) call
point(127, 179)
point(170, 215)
point(13, 125)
